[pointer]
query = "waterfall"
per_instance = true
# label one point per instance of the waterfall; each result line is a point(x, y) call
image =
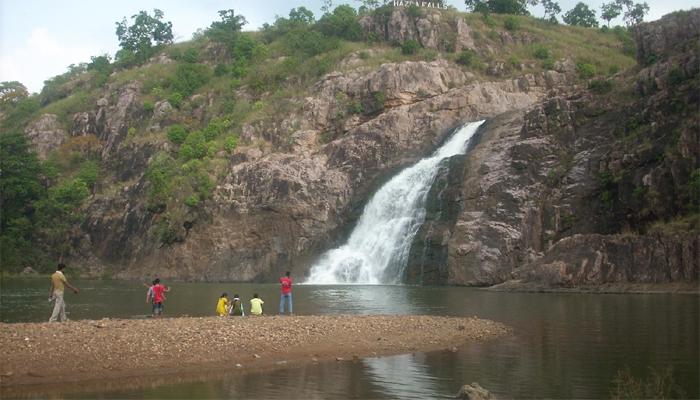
point(378, 247)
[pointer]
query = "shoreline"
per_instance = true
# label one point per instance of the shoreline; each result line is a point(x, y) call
point(507, 286)
point(99, 354)
point(684, 288)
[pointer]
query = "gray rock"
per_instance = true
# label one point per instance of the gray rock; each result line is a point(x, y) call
point(474, 392)
point(46, 134)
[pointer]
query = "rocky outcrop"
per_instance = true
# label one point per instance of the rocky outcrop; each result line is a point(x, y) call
point(46, 134)
point(430, 28)
point(593, 260)
point(674, 34)
point(474, 392)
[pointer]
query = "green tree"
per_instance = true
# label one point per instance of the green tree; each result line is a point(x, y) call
point(228, 29)
point(58, 212)
point(301, 15)
point(138, 39)
point(516, 7)
point(341, 23)
point(581, 15)
point(634, 12)
point(20, 183)
point(551, 8)
point(610, 11)
point(11, 93)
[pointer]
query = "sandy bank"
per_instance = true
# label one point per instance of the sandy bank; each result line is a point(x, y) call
point(115, 349)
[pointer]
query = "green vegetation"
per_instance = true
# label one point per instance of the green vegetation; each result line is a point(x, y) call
point(657, 385)
point(581, 15)
point(410, 47)
point(140, 40)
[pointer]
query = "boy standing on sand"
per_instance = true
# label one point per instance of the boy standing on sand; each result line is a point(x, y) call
point(256, 305)
point(158, 297)
point(58, 281)
point(286, 289)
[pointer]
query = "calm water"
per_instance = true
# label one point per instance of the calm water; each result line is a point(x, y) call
point(563, 345)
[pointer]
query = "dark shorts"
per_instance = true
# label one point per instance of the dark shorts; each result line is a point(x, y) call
point(157, 308)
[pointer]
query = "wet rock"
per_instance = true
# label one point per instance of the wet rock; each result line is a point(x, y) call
point(474, 392)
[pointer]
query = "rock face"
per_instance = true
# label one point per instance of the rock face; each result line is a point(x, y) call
point(276, 211)
point(430, 28)
point(46, 134)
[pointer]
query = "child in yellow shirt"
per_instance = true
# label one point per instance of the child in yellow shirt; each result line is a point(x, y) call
point(256, 305)
point(222, 305)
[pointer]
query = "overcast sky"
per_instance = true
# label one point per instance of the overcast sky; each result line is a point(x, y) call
point(40, 38)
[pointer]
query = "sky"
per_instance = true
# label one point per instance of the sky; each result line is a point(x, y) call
point(39, 39)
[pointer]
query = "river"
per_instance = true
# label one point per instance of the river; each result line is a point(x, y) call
point(564, 345)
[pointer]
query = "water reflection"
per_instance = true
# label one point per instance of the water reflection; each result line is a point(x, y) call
point(405, 376)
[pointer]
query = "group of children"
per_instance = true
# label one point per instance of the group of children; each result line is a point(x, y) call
point(235, 307)
point(156, 296)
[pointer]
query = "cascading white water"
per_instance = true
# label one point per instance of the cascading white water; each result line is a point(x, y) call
point(377, 250)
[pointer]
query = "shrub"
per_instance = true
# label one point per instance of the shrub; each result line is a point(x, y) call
point(194, 147)
point(190, 56)
point(89, 172)
point(600, 86)
point(410, 47)
point(613, 69)
point(230, 143)
point(511, 23)
point(364, 55)
point(513, 62)
point(466, 57)
point(159, 174)
point(541, 53)
point(675, 76)
point(148, 106)
point(585, 70)
point(220, 70)
point(131, 133)
point(215, 127)
point(192, 201)
point(548, 65)
point(175, 99)
point(177, 134)
point(189, 77)
point(355, 107)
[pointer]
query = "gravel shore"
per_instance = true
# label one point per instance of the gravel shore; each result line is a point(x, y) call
point(43, 354)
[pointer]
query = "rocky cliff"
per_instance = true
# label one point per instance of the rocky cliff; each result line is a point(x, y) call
point(565, 187)
point(583, 190)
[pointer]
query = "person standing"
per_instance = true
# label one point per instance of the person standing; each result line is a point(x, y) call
point(58, 283)
point(149, 298)
point(256, 305)
point(158, 297)
point(286, 295)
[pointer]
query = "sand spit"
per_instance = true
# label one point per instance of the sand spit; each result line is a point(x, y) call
point(111, 350)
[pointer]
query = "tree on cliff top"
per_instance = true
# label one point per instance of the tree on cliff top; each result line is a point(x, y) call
point(516, 7)
point(581, 15)
point(137, 41)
